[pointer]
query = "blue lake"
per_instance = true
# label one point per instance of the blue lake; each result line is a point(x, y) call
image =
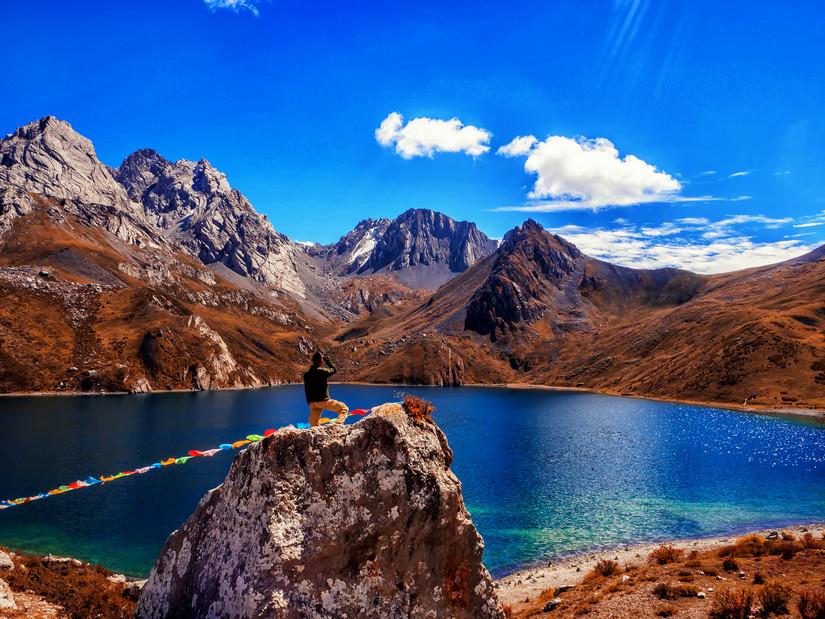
point(544, 473)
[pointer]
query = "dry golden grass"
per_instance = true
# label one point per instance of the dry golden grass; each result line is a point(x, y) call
point(83, 591)
point(771, 583)
point(666, 553)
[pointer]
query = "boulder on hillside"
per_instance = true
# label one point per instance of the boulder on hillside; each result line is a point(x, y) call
point(365, 520)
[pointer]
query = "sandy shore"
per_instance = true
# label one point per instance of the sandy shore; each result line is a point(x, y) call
point(532, 581)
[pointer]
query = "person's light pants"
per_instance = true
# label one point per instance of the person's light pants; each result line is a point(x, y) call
point(335, 406)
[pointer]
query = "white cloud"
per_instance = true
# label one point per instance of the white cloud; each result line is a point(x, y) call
point(740, 173)
point(707, 173)
point(718, 249)
point(666, 229)
point(782, 173)
point(558, 206)
point(736, 220)
point(811, 221)
point(693, 221)
point(235, 5)
point(586, 173)
point(423, 137)
point(518, 147)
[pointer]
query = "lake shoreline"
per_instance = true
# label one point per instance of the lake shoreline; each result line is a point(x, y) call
point(531, 580)
point(817, 414)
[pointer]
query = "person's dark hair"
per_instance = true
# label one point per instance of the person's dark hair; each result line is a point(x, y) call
point(316, 357)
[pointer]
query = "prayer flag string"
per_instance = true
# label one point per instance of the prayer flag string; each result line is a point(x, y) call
point(192, 453)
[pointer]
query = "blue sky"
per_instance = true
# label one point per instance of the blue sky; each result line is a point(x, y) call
point(654, 132)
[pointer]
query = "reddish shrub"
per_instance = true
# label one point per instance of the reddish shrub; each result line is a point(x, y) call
point(664, 591)
point(774, 598)
point(730, 564)
point(83, 591)
point(750, 545)
point(606, 568)
point(758, 579)
point(732, 604)
point(420, 410)
point(666, 553)
point(811, 605)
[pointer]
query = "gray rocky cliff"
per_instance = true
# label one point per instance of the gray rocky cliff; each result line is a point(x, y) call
point(421, 248)
point(425, 237)
point(365, 520)
point(146, 201)
point(48, 158)
point(197, 209)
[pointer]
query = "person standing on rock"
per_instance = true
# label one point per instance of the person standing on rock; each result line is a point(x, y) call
point(317, 391)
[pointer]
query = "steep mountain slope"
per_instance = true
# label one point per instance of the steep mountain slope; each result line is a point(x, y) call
point(755, 335)
point(83, 311)
point(420, 248)
point(159, 275)
point(539, 311)
point(98, 296)
point(197, 210)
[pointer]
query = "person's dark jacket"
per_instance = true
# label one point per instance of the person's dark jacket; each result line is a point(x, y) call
point(315, 383)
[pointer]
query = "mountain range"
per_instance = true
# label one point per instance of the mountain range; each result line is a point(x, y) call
point(159, 275)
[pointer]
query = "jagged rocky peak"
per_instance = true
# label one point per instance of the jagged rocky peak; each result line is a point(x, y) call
point(139, 171)
point(365, 520)
point(422, 236)
point(208, 180)
point(50, 158)
point(422, 248)
point(355, 249)
point(197, 208)
point(530, 277)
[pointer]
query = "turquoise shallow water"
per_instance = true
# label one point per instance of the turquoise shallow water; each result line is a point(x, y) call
point(544, 473)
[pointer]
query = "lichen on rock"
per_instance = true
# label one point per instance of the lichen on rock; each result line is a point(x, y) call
point(365, 520)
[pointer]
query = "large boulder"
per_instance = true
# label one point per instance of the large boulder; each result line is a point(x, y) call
point(365, 520)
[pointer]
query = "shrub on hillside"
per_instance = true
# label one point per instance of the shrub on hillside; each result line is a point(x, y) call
point(809, 541)
point(83, 591)
point(664, 591)
point(730, 564)
point(750, 545)
point(787, 549)
point(758, 579)
point(774, 598)
point(606, 568)
point(726, 551)
point(811, 605)
point(666, 553)
point(732, 604)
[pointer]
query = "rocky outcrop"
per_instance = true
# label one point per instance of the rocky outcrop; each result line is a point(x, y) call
point(365, 520)
point(6, 597)
point(14, 203)
point(198, 210)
